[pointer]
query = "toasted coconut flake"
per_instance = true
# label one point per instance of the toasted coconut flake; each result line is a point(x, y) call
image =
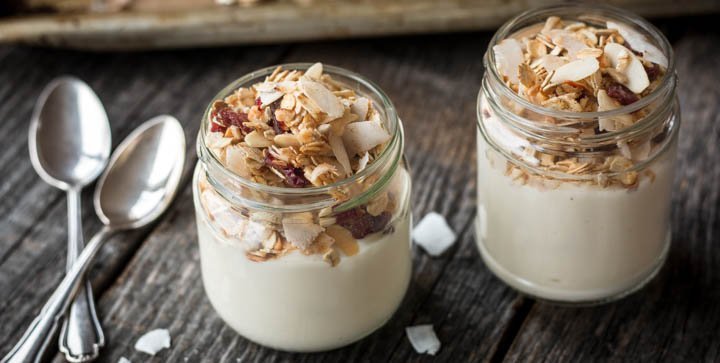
point(300, 230)
point(576, 70)
point(360, 107)
point(319, 171)
point(326, 101)
point(153, 341)
point(338, 148)
point(363, 162)
point(568, 40)
point(343, 239)
point(315, 71)
point(552, 62)
point(423, 339)
point(434, 234)
point(508, 56)
point(332, 257)
point(235, 160)
point(363, 136)
point(607, 103)
point(637, 79)
point(640, 43)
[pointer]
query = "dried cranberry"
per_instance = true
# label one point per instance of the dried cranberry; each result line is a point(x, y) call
point(228, 117)
point(361, 223)
point(258, 102)
point(653, 72)
point(621, 93)
point(294, 177)
point(277, 126)
point(216, 127)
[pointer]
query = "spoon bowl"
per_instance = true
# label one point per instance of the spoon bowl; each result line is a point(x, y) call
point(143, 170)
point(69, 135)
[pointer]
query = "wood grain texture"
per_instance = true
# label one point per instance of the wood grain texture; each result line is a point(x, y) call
point(151, 278)
point(171, 26)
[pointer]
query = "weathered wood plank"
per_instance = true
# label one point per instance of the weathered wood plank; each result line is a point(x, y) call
point(677, 316)
point(150, 25)
point(138, 87)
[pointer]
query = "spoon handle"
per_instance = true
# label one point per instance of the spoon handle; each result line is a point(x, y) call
point(32, 344)
point(81, 336)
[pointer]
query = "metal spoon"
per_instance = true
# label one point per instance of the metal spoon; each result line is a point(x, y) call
point(139, 184)
point(69, 147)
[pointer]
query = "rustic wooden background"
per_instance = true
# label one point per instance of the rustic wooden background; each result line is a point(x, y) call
point(151, 278)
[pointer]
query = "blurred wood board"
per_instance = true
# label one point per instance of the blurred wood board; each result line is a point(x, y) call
point(151, 24)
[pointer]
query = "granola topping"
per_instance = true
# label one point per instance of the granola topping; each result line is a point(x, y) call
point(580, 66)
point(298, 129)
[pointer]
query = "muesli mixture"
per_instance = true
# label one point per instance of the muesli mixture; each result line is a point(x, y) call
point(298, 129)
point(583, 66)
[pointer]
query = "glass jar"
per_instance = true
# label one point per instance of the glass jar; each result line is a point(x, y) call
point(303, 301)
point(570, 216)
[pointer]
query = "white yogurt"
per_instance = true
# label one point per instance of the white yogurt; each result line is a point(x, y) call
point(574, 243)
point(301, 303)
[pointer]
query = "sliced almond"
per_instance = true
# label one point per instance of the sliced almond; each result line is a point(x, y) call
point(576, 70)
point(256, 139)
point(362, 163)
point(236, 161)
point(338, 148)
point(286, 140)
point(323, 98)
point(637, 79)
point(363, 136)
point(315, 71)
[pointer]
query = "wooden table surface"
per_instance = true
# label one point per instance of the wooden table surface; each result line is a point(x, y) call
point(151, 278)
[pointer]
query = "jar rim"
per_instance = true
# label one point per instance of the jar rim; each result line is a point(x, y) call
point(206, 156)
point(663, 90)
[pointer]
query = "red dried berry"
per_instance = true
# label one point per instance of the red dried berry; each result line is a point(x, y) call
point(621, 94)
point(258, 102)
point(228, 117)
point(215, 127)
point(361, 223)
point(294, 177)
point(653, 72)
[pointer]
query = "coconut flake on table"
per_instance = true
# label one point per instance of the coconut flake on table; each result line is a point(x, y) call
point(153, 341)
point(636, 76)
point(434, 234)
point(639, 42)
point(123, 360)
point(363, 136)
point(423, 339)
point(508, 56)
point(575, 70)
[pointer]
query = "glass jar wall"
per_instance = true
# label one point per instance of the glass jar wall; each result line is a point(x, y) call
point(354, 272)
point(572, 210)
